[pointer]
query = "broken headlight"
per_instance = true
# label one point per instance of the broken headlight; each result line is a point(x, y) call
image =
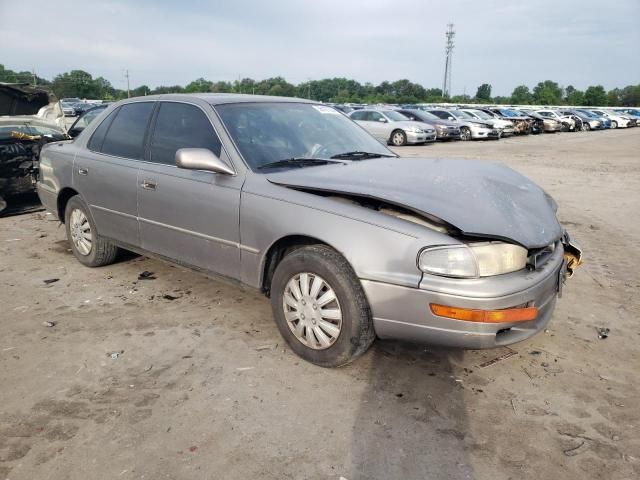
point(473, 260)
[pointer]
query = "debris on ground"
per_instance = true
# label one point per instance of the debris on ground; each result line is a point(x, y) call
point(115, 355)
point(603, 332)
point(49, 324)
point(504, 356)
point(272, 346)
point(573, 451)
point(49, 281)
point(146, 275)
point(242, 369)
point(166, 296)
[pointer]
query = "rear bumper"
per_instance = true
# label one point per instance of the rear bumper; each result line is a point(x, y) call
point(404, 313)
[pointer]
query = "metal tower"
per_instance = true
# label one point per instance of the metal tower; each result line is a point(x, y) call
point(446, 84)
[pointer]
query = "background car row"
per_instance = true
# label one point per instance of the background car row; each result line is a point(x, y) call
point(419, 124)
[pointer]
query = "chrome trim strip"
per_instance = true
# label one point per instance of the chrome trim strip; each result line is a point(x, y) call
point(108, 210)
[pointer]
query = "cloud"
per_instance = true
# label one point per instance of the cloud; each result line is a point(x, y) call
point(164, 43)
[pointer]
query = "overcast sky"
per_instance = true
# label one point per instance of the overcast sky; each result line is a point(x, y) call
point(504, 43)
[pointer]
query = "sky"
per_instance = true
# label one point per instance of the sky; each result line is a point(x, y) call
point(500, 42)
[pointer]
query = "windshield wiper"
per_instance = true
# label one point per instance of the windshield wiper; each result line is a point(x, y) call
point(359, 155)
point(297, 162)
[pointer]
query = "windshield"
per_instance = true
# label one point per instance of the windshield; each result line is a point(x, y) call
point(462, 114)
point(588, 113)
point(509, 113)
point(268, 132)
point(427, 116)
point(482, 115)
point(395, 116)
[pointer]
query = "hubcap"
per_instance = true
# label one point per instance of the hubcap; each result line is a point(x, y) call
point(398, 138)
point(312, 311)
point(80, 230)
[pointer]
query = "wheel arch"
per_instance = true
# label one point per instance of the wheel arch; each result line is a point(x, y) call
point(64, 196)
point(278, 250)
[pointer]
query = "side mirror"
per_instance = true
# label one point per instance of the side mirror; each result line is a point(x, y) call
point(201, 159)
point(74, 132)
point(451, 118)
point(382, 120)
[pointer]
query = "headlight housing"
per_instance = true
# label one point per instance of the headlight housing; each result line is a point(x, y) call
point(473, 260)
point(414, 129)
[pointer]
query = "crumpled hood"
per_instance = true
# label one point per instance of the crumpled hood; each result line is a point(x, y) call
point(482, 199)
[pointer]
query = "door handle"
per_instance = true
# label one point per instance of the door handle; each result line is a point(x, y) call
point(147, 185)
point(83, 171)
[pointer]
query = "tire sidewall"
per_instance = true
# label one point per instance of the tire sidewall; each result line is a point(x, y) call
point(404, 138)
point(349, 340)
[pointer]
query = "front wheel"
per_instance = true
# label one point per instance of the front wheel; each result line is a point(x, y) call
point(465, 133)
point(614, 124)
point(586, 127)
point(89, 248)
point(398, 138)
point(320, 307)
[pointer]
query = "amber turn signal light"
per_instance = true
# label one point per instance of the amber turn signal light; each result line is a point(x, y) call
point(485, 316)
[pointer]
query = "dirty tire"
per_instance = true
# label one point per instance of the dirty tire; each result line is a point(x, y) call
point(398, 138)
point(102, 251)
point(614, 124)
point(356, 333)
point(586, 127)
point(465, 133)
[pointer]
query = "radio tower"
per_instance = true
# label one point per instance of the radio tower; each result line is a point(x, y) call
point(446, 84)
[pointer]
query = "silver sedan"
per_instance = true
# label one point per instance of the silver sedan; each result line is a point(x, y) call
point(393, 127)
point(294, 199)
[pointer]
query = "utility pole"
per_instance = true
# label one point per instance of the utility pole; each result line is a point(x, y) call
point(446, 84)
point(126, 74)
point(33, 73)
point(309, 88)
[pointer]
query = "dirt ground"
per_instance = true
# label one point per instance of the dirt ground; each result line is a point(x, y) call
point(201, 385)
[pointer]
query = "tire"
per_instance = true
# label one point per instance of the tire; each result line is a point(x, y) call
point(614, 124)
point(398, 138)
point(465, 134)
point(586, 127)
point(94, 251)
point(350, 336)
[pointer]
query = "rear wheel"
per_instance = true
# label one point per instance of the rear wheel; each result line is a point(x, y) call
point(465, 133)
point(88, 247)
point(320, 307)
point(398, 138)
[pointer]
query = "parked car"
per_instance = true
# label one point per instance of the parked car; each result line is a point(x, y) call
point(291, 197)
point(632, 113)
point(522, 125)
point(549, 125)
point(568, 122)
point(84, 120)
point(69, 109)
point(446, 130)
point(505, 127)
point(28, 120)
point(604, 121)
point(469, 128)
point(392, 127)
point(617, 120)
point(589, 122)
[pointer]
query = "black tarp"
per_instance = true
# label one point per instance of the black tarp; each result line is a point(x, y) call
point(23, 99)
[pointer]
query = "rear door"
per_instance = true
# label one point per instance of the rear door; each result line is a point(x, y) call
point(378, 125)
point(191, 216)
point(106, 172)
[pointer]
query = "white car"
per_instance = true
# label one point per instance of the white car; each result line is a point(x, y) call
point(506, 126)
point(617, 120)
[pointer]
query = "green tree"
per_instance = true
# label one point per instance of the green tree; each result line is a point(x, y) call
point(199, 85)
point(595, 96)
point(630, 96)
point(547, 93)
point(574, 97)
point(521, 95)
point(484, 92)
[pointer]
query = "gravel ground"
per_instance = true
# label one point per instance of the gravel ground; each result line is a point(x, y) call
point(184, 377)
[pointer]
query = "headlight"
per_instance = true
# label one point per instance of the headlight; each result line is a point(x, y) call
point(473, 260)
point(414, 130)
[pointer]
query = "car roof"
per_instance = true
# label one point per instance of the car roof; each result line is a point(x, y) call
point(223, 98)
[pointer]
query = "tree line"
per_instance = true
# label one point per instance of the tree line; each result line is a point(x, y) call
point(81, 84)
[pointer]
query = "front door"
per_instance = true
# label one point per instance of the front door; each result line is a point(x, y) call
point(191, 216)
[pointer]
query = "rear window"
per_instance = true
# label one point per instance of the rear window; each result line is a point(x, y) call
point(125, 137)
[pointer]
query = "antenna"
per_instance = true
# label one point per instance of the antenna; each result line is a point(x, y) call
point(446, 84)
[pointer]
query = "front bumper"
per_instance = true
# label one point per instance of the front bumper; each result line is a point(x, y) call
point(423, 137)
point(480, 133)
point(404, 313)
